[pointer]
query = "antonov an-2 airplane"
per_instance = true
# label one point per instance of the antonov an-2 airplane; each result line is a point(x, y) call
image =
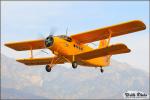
point(73, 49)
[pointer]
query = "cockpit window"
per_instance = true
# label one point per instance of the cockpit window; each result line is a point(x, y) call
point(67, 38)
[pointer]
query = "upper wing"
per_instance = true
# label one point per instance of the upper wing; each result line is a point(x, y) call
point(41, 61)
point(26, 45)
point(103, 33)
point(110, 50)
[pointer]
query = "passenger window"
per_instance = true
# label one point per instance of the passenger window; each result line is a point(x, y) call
point(79, 48)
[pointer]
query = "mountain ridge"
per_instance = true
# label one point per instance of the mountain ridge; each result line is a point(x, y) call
point(67, 83)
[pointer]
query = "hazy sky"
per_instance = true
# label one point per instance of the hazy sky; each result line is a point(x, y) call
point(27, 20)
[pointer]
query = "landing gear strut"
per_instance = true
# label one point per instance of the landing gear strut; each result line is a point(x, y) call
point(48, 68)
point(101, 70)
point(74, 64)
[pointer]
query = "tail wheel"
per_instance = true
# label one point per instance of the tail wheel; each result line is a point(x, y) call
point(74, 64)
point(101, 70)
point(48, 68)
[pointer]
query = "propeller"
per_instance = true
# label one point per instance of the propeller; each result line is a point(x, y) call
point(40, 52)
point(52, 31)
point(94, 44)
point(44, 51)
point(41, 36)
point(66, 30)
point(51, 34)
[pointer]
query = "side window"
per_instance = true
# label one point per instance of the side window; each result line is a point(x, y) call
point(77, 47)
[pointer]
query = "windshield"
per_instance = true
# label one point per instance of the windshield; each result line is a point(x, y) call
point(63, 36)
point(67, 38)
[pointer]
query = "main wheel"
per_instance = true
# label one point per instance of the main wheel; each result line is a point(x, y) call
point(48, 68)
point(74, 64)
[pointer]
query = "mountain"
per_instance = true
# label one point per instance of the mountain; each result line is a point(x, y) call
point(10, 93)
point(19, 81)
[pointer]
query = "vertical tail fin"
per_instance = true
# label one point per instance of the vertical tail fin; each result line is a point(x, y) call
point(103, 44)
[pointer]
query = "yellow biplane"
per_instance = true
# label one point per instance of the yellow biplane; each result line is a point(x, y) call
point(74, 49)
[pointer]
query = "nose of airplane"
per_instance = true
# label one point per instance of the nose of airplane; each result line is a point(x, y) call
point(49, 41)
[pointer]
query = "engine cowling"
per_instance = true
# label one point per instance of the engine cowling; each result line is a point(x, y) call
point(49, 41)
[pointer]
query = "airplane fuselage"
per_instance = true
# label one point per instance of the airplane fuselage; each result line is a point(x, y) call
point(67, 49)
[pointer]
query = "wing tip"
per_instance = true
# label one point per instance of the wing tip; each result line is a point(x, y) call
point(122, 46)
point(128, 50)
point(10, 46)
point(19, 60)
point(6, 44)
point(140, 23)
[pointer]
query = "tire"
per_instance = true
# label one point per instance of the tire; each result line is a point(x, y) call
point(74, 64)
point(101, 70)
point(48, 68)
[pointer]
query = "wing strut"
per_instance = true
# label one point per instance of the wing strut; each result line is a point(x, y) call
point(110, 32)
point(53, 63)
point(31, 52)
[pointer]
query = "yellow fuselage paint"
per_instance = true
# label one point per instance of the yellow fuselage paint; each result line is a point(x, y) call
point(65, 48)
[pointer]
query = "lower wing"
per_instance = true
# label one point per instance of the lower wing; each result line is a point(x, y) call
point(110, 50)
point(42, 61)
